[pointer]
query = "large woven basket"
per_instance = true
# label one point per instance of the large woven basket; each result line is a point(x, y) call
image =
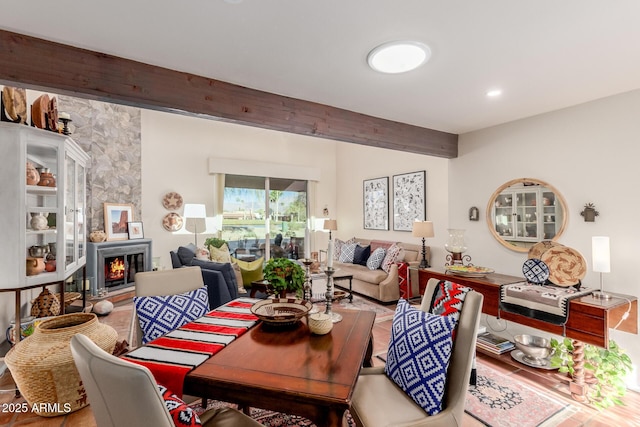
point(43, 367)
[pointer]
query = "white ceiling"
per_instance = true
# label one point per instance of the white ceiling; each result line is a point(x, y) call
point(544, 54)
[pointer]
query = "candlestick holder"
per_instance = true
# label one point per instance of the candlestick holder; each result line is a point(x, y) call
point(335, 317)
point(307, 283)
point(65, 129)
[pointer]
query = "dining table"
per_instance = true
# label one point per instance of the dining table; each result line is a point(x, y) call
point(290, 370)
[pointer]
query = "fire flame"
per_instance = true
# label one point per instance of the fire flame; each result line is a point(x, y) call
point(116, 269)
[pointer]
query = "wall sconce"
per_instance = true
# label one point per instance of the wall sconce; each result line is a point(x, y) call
point(589, 213)
point(474, 214)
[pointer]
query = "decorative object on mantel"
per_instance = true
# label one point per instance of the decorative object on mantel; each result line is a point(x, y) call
point(474, 214)
point(116, 217)
point(589, 213)
point(14, 105)
point(65, 118)
point(97, 236)
point(172, 222)
point(172, 201)
point(601, 260)
point(456, 246)
point(423, 229)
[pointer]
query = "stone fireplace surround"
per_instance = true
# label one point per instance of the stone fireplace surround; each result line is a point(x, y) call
point(98, 252)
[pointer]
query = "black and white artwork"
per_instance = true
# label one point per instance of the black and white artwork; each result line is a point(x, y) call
point(376, 204)
point(409, 200)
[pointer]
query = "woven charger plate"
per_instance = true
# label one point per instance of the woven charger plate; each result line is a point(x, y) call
point(567, 266)
point(539, 248)
point(281, 311)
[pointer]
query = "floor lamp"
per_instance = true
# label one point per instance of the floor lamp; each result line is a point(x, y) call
point(423, 229)
point(194, 214)
point(601, 258)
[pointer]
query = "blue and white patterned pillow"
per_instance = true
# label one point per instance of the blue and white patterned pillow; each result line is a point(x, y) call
point(419, 353)
point(348, 252)
point(375, 259)
point(159, 315)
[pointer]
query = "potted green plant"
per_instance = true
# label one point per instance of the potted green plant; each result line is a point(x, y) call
point(284, 275)
point(605, 370)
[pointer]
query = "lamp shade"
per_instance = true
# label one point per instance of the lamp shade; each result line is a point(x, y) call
point(422, 229)
point(600, 254)
point(330, 224)
point(194, 210)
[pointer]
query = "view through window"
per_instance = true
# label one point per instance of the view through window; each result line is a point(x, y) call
point(248, 215)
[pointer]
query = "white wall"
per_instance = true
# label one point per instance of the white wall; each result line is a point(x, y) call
point(590, 154)
point(356, 163)
point(175, 154)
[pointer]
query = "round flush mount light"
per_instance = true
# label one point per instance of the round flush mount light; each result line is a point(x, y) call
point(494, 93)
point(399, 56)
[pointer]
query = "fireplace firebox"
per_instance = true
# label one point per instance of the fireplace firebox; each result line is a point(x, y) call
point(115, 264)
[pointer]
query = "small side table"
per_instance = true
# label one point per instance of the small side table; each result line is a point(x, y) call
point(260, 285)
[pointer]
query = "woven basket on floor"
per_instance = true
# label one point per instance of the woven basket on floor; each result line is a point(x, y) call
point(43, 367)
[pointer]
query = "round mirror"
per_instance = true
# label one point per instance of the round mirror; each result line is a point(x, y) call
point(525, 211)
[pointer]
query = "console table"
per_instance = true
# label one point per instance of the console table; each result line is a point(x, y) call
point(589, 318)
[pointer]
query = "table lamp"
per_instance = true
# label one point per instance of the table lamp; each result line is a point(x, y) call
point(195, 214)
point(423, 229)
point(330, 224)
point(601, 258)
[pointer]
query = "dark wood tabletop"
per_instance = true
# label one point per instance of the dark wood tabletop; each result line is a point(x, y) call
point(290, 370)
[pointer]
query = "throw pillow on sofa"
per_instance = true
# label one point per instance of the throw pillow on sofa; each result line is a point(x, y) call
point(220, 254)
point(361, 254)
point(375, 259)
point(338, 245)
point(390, 258)
point(186, 254)
point(347, 253)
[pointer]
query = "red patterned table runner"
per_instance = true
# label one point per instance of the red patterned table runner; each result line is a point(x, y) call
point(172, 356)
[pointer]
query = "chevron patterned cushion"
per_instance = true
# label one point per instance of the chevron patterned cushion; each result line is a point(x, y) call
point(181, 413)
point(448, 299)
point(159, 315)
point(419, 353)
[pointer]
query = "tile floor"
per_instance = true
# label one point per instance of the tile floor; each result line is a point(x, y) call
point(121, 316)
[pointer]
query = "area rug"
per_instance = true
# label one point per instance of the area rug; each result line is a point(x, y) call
point(499, 400)
point(383, 313)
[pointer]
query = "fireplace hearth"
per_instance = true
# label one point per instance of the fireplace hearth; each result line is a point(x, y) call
point(114, 264)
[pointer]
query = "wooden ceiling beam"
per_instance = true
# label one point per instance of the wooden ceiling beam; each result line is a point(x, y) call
point(41, 64)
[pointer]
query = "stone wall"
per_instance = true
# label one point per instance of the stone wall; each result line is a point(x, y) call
point(110, 134)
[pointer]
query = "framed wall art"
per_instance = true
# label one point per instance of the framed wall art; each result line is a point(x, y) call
point(116, 217)
point(376, 203)
point(409, 200)
point(135, 230)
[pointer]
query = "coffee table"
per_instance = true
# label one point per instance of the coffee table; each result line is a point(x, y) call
point(290, 370)
point(337, 277)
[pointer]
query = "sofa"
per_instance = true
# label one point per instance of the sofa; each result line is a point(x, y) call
point(377, 283)
point(219, 278)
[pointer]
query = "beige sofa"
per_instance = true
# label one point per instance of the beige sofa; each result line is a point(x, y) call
point(378, 284)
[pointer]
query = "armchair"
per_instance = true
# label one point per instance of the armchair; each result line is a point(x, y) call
point(378, 401)
point(111, 383)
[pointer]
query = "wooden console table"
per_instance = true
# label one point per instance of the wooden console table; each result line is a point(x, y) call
point(589, 318)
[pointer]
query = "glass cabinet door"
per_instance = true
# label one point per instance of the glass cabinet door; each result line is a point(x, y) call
point(503, 214)
point(527, 215)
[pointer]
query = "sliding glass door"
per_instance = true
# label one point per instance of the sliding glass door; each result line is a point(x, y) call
point(257, 209)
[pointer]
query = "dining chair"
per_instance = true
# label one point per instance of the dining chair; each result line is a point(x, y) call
point(378, 401)
point(123, 394)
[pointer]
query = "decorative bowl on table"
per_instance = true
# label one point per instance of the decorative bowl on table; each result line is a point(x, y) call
point(469, 270)
point(536, 350)
point(320, 323)
point(281, 311)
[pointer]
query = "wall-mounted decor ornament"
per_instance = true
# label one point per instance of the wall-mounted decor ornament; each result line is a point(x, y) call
point(172, 201)
point(589, 213)
point(474, 214)
point(172, 222)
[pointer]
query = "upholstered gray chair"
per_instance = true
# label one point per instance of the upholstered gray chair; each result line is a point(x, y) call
point(124, 394)
point(378, 401)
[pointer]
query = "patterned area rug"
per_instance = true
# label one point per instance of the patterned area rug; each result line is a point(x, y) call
point(498, 400)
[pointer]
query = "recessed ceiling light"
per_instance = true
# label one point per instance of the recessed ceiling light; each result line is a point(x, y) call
point(494, 92)
point(398, 57)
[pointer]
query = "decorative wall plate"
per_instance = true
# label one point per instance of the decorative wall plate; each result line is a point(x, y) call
point(172, 222)
point(567, 266)
point(172, 201)
point(15, 103)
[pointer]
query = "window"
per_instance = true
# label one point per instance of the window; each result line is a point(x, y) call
point(249, 217)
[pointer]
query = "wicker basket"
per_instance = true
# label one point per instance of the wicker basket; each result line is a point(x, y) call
point(320, 323)
point(43, 367)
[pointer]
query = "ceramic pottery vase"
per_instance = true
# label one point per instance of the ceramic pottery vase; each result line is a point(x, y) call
point(34, 266)
point(39, 221)
point(97, 236)
point(33, 177)
point(46, 178)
